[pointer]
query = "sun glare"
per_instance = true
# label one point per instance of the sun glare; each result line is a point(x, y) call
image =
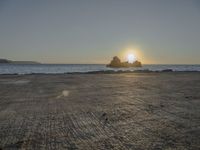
point(131, 58)
point(131, 54)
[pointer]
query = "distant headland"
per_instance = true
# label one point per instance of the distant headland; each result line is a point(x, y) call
point(116, 63)
point(6, 61)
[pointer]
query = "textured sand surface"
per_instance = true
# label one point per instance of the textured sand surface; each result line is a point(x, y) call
point(100, 111)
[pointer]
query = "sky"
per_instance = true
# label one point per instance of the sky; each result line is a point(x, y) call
point(93, 31)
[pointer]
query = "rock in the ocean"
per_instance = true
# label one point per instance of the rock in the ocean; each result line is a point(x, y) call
point(116, 63)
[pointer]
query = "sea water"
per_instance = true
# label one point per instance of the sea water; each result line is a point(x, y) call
point(72, 68)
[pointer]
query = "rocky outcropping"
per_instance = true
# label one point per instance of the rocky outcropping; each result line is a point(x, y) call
point(6, 61)
point(116, 63)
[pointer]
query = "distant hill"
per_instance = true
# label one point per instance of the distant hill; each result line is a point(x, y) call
point(5, 61)
point(24, 62)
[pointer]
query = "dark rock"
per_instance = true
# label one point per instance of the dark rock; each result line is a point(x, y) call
point(116, 63)
point(167, 70)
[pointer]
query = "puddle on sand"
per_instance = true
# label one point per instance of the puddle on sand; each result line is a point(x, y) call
point(17, 82)
point(64, 93)
point(21, 82)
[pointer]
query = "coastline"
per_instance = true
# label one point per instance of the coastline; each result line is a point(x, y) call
point(106, 72)
point(89, 69)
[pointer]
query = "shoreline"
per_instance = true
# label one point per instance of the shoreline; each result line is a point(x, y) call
point(106, 72)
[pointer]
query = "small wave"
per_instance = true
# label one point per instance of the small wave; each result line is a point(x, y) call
point(74, 69)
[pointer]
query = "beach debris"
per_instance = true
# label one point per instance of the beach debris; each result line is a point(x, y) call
point(64, 93)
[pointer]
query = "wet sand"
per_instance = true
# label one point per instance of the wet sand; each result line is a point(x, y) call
point(100, 111)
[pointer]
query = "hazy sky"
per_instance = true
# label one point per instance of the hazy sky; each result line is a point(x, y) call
point(92, 31)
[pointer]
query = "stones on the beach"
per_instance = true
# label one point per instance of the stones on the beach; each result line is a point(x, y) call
point(116, 63)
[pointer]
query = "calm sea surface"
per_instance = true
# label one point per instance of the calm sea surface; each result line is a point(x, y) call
point(70, 68)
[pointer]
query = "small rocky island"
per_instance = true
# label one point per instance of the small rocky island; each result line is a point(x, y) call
point(116, 63)
point(6, 61)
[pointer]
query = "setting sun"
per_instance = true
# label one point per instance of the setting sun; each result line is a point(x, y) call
point(131, 58)
point(131, 53)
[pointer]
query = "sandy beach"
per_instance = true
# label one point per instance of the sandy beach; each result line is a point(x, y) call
point(100, 111)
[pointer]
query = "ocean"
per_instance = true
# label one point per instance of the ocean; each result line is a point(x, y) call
point(83, 68)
